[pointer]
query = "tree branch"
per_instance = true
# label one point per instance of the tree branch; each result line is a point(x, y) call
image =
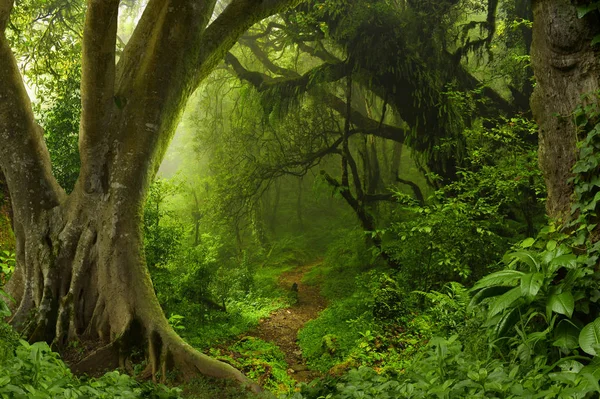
point(5, 9)
point(318, 51)
point(262, 82)
point(416, 189)
point(97, 86)
point(24, 158)
point(264, 58)
point(224, 32)
point(366, 219)
point(172, 49)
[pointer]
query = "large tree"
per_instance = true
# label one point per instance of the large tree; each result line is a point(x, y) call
point(81, 272)
point(567, 67)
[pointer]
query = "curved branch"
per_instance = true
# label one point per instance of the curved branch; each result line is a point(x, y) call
point(262, 82)
point(318, 51)
point(24, 158)
point(264, 58)
point(416, 189)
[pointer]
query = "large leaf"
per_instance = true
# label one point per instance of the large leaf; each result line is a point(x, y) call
point(528, 242)
point(506, 323)
point(563, 303)
point(584, 9)
point(567, 260)
point(589, 337)
point(503, 277)
point(566, 335)
point(488, 293)
point(504, 301)
point(531, 284)
point(526, 258)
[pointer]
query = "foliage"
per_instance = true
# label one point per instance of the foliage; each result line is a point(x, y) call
point(586, 180)
point(530, 330)
point(37, 372)
point(259, 360)
point(8, 337)
point(210, 303)
point(34, 371)
point(587, 8)
point(7, 266)
point(162, 232)
point(469, 223)
point(59, 116)
point(329, 339)
point(46, 37)
point(446, 371)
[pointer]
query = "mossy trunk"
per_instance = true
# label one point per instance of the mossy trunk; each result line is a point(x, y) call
point(566, 68)
point(82, 276)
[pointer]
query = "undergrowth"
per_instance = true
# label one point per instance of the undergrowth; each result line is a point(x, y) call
point(529, 330)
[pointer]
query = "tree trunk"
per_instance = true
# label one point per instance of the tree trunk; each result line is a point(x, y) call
point(81, 272)
point(82, 276)
point(566, 67)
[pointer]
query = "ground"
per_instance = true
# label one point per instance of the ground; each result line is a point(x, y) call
point(281, 328)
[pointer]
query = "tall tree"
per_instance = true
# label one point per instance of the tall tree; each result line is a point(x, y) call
point(80, 269)
point(567, 67)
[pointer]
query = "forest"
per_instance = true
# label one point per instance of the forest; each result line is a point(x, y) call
point(299, 199)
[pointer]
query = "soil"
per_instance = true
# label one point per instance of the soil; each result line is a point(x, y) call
point(281, 327)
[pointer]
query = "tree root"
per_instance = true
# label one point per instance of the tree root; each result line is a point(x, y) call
point(166, 352)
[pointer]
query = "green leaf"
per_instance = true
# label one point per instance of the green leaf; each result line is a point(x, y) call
point(4, 380)
point(550, 245)
point(506, 323)
point(569, 261)
point(528, 242)
point(531, 284)
point(566, 335)
point(526, 258)
point(585, 9)
point(488, 293)
point(504, 301)
point(503, 277)
point(590, 337)
point(562, 303)
point(596, 40)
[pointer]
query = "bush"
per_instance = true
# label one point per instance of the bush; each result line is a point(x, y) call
point(34, 371)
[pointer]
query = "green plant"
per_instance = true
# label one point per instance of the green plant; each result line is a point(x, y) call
point(543, 292)
point(7, 266)
point(175, 320)
point(261, 361)
point(585, 9)
point(37, 372)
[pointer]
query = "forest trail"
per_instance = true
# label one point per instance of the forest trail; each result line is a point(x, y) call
point(281, 327)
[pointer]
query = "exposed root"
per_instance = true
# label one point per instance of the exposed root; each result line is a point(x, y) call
point(100, 360)
point(78, 283)
point(166, 352)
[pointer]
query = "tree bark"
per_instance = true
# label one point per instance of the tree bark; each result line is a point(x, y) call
point(81, 272)
point(566, 67)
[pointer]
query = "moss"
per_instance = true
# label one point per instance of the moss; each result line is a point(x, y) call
point(7, 237)
point(8, 342)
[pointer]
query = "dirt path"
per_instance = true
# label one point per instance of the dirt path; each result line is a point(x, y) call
point(282, 326)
